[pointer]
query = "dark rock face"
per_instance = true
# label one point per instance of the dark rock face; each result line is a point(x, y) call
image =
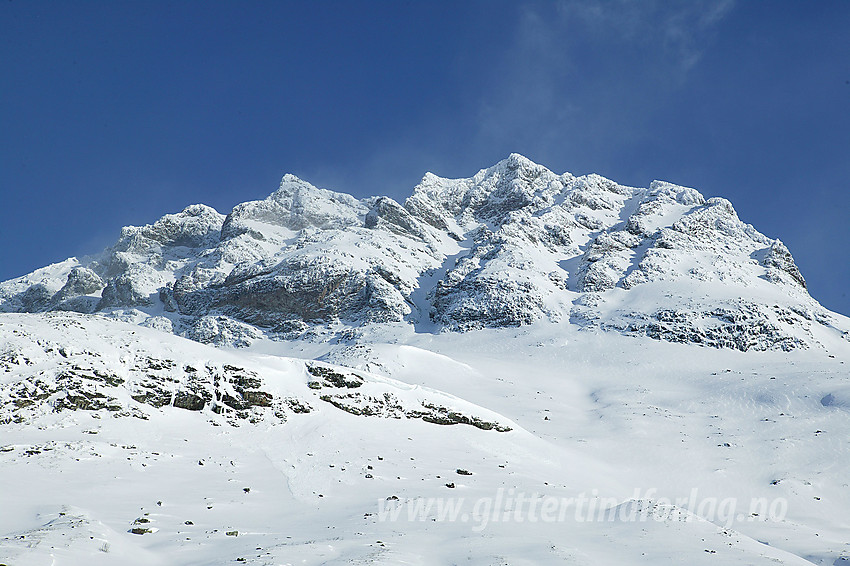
point(84, 382)
point(312, 290)
point(389, 214)
point(480, 302)
point(778, 260)
point(75, 294)
point(298, 289)
point(36, 298)
point(81, 281)
point(738, 326)
point(328, 377)
point(123, 291)
point(342, 390)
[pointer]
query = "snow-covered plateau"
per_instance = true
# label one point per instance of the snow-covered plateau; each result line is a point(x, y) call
point(519, 367)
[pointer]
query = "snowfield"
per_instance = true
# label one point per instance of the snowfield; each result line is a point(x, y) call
point(515, 368)
point(597, 419)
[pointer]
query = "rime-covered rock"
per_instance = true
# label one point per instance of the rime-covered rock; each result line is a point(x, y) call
point(81, 281)
point(511, 245)
point(780, 265)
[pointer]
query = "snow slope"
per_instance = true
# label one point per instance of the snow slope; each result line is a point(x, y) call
point(627, 422)
point(519, 367)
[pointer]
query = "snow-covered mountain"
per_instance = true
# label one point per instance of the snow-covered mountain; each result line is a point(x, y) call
point(515, 368)
point(512, 245)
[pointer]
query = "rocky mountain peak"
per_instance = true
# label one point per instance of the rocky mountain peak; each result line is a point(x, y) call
point(295, 205)
point(196, 226)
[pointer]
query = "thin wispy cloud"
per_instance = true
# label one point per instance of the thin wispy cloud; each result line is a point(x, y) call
point(580, 76)
point(566, 83)
point(682, 29)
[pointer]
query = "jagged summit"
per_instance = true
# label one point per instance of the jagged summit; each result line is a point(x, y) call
point(509, 185)
point(295, 205)
point(512, 245)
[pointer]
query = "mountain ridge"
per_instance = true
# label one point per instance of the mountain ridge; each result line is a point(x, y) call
point(509, 246)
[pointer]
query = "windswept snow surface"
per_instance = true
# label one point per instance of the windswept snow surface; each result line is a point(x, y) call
point(597, 420)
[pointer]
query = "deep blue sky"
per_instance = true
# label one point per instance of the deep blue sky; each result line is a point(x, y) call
point(114, 113)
